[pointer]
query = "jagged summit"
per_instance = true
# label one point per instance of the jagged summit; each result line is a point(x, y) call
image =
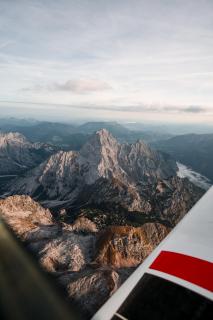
point(99, 140)
point(103, 132)
point(100, 154)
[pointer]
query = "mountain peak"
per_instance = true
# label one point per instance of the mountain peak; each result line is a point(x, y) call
point(105, 138)
point(12, 137)
point(99, 141)
point(103, 132)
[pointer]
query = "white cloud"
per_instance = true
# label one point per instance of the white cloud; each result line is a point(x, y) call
point(6, 43)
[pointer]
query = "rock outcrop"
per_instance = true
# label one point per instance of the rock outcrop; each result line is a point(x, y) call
point(91, 288)
point(24, 215)
point(70, 252)
point(121, 246)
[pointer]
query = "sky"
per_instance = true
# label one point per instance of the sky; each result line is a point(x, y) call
point(116, 59)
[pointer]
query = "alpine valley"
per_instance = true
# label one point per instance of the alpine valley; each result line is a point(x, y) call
point(92, 215)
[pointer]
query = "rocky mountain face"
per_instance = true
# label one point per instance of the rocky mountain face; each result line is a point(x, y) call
point(18, 155)
point(193, 150)
point(102, 159)
point(89, 263)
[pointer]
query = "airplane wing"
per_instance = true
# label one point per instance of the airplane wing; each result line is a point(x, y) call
point(176, 280)
point(26, 292)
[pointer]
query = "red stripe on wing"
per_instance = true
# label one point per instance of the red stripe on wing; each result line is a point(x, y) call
point(191, 269)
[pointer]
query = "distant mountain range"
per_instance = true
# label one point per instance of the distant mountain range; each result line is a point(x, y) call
point(193, 150)
point(69, 136)
point(59, 136)
point(106, 174)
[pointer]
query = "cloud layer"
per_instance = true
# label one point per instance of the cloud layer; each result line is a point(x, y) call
point(148, 56)
point(82, 86)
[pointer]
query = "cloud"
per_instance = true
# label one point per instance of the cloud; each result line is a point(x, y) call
point(82, 86)
point(6, 44)
point(194, 109)
point(158, 109)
